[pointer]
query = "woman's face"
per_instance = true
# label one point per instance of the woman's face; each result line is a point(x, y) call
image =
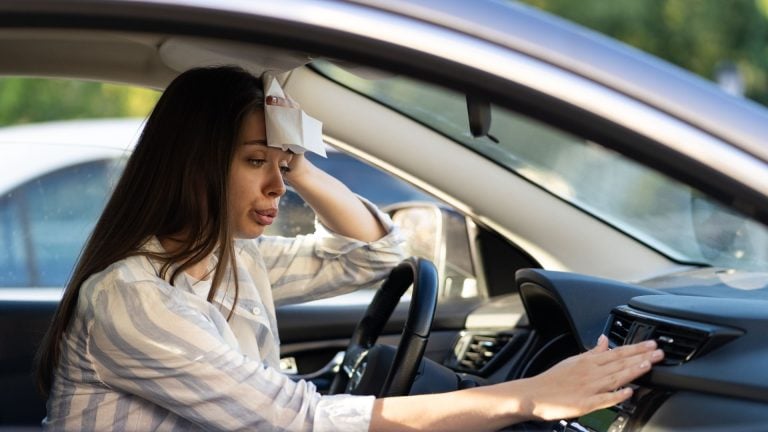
point(256, 179)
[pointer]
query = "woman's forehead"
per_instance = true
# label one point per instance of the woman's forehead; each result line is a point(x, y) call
point(261, 144)
point(252, 126)
point(253, 132)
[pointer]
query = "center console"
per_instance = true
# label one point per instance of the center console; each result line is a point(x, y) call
point(629, 415)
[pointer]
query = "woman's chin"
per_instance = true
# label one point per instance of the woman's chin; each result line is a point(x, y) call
point(250, 232)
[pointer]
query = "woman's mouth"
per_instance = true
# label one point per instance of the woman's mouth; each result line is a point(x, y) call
point(266, 216)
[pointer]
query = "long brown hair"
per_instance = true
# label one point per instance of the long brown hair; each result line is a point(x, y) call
point(175, 181)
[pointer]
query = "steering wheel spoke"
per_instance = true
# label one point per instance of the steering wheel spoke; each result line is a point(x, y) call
point(361, 371)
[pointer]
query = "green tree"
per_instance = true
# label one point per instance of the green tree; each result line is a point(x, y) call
point(698, 35)
point(28, 100)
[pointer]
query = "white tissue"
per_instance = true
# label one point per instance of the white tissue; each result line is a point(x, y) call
point(290, 128)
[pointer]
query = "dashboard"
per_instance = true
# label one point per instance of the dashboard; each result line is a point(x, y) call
point(713, 377)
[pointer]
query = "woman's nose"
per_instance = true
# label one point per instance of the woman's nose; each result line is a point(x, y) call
point(275, 186)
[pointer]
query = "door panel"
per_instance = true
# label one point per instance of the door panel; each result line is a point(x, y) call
point(22, 325)
point(313, 334)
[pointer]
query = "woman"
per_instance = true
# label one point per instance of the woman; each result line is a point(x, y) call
point(168, 322)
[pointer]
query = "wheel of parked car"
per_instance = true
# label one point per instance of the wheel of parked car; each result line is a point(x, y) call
point(382, 370)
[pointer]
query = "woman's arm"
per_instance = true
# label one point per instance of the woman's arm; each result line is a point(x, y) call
point(155, 341)
point(335, 205)
point(575, 386)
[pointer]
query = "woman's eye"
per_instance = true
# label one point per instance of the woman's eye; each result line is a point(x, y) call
point(257, 162)
point(285, 169)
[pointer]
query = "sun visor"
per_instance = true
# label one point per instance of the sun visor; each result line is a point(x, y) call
point(181, 54)
point(290, 128)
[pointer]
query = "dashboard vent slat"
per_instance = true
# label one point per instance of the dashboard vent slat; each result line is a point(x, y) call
point(475, 351)
point(679, 344)
point(619, 330)
point(681, 340)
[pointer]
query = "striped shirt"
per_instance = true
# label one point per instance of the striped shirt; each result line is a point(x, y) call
point(142, 355)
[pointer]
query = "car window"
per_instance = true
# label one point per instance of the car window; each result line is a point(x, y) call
point(439, 236)
point(381, 188)
point(62, 144)
point(376, 185)
point(45, 222)
point(49, 205)
point(13, 253)
point(659, 211)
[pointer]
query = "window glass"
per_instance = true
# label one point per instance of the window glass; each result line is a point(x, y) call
point(48, 220)
point(381, 188)
point(14, 268)
point(295, 218)
point(440, 237)
point(59, 140)
point(659, 211)
point(376, 185)
point(56, 177)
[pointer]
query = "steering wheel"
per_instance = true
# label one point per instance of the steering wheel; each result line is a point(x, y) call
point(362, 370)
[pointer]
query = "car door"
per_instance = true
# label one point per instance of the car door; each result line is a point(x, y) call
point(43, 224)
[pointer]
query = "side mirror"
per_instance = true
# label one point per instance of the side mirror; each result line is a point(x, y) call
point(445, 237)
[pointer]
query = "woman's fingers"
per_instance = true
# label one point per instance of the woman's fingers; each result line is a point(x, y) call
point(642, 360)
point(592, 380)
point(622, 365)
point(602, 357)
point(602, 344)
point(283, 102)
point(605, 400)
point(611, 381)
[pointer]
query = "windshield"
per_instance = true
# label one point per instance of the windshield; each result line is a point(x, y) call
point(661, 212)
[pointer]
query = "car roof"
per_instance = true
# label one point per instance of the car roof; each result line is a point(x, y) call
point(518, 27)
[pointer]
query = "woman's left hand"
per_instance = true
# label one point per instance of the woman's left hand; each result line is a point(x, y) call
point(299, 165)
point(335, 205)
point(286, 102)
point(299, 168)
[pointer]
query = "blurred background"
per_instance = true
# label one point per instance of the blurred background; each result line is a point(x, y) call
point(725, 41)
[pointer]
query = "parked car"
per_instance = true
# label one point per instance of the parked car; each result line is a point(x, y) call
point(599, 190)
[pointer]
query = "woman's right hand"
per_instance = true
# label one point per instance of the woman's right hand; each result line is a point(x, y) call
point(574, 387)
point(587, 382)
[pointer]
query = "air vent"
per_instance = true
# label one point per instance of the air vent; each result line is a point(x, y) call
point(619, 330)
point(681, 340)
point(679, 344)
point(475, 351)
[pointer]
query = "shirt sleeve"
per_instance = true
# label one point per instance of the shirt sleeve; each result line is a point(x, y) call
point(326, 263)
point(147, 341)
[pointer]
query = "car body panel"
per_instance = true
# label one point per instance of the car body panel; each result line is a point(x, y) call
point(55, 153)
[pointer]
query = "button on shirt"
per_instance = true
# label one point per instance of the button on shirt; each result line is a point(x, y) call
point(141, 354)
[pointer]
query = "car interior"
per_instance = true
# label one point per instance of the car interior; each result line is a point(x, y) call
point(525, 270)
